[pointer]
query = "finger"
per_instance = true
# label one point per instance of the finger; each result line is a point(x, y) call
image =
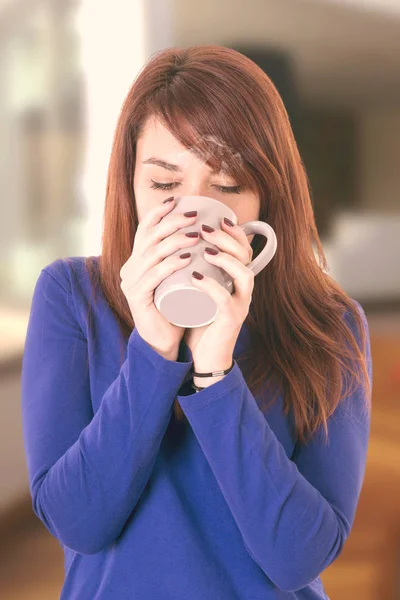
point(242, 276)
point(238, 234)
point(154, 215)
point(152, 218)
point(230, 244)
point(216, 291)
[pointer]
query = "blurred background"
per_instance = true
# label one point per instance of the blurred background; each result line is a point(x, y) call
point(65, 68)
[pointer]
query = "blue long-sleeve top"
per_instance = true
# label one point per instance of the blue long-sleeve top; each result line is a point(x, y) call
point(224, 506)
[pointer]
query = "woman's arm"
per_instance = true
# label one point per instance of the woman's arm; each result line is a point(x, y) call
point(294, 515)
point(87, 472)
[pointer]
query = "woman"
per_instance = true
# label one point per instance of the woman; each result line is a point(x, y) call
point(159, 483)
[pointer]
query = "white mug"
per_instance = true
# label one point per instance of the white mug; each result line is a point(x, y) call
point(179, 301)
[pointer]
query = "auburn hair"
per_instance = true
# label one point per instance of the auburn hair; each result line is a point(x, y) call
point(308, 338)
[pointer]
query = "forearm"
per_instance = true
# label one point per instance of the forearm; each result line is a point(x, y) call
point(114, 455)
point(294, 517)
point(88, 475)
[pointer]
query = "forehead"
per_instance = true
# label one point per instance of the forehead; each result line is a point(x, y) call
point(156, 140)
point(154, 132)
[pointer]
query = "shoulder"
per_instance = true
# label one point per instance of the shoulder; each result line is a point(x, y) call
point(357, 321)
point(358, 324)
point(355, 309)
point(72, 272)
point(69, 286)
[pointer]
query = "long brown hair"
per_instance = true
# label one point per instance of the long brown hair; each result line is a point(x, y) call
point(307, 337)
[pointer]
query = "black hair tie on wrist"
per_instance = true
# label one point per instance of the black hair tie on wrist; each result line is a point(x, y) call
point(212, 374)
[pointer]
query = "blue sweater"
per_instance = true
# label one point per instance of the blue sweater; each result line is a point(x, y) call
point(224, 506)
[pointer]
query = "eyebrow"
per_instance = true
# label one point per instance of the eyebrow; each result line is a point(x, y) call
point(164, 164)
point(161, 163)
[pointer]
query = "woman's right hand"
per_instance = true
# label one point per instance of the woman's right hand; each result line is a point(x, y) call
point(150, 263)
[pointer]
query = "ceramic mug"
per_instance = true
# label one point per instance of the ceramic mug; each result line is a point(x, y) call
point(179, 301)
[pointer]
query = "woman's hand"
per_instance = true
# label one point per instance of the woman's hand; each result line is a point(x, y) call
point(212, 345)
point(151, 261)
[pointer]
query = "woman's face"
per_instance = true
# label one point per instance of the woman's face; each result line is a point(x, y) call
point(184, 175)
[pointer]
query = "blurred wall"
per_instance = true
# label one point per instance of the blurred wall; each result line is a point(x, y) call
point(380, 158)
point(114, 39)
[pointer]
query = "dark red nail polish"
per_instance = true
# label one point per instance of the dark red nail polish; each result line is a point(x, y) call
point(228, 222)
point(207, 228)
point(168, 199)
point(185, 255)
point(197, 275)
point(211, 250)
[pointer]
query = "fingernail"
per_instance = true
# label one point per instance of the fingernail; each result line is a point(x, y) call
point(169, 199)
point(191, 213)
point(207, 228)
point(211, 250)
point(192, 234)
point(197, 275)
point(186, 255)
point(228, 222)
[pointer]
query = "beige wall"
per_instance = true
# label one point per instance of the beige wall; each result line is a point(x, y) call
point(344, 55)
point(380, 159)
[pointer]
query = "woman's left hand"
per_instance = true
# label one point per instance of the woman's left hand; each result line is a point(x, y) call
point(215, 342)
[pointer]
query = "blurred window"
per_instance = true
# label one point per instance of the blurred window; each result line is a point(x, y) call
point(40, 142)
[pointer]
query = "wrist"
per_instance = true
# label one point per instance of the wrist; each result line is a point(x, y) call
point(207, 367)
point(204, 382)
point(167, 354)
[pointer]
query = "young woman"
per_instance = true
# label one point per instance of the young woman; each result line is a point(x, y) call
point(160, 484)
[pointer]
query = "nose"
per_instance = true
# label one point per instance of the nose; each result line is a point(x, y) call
point(196, 188)
point(198, 191)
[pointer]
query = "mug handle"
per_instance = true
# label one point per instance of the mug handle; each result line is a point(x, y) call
point(268, 252)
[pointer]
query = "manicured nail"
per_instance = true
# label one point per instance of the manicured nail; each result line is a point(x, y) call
point(191, 213)
point(228, 222)
point(211, 250)
point(193, 234)
point(186, 255)
point(169, 199)
point(207, 228)
point(197, 275)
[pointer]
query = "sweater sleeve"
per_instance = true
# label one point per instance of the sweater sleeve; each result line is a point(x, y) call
point(87, 471)
point(295, 514)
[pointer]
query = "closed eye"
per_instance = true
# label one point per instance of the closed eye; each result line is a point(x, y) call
point(235, 189)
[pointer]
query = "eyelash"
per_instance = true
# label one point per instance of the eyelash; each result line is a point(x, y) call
point(236, 189)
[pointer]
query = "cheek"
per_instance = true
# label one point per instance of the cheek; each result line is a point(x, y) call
point(144, 203)
point(143, 199)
